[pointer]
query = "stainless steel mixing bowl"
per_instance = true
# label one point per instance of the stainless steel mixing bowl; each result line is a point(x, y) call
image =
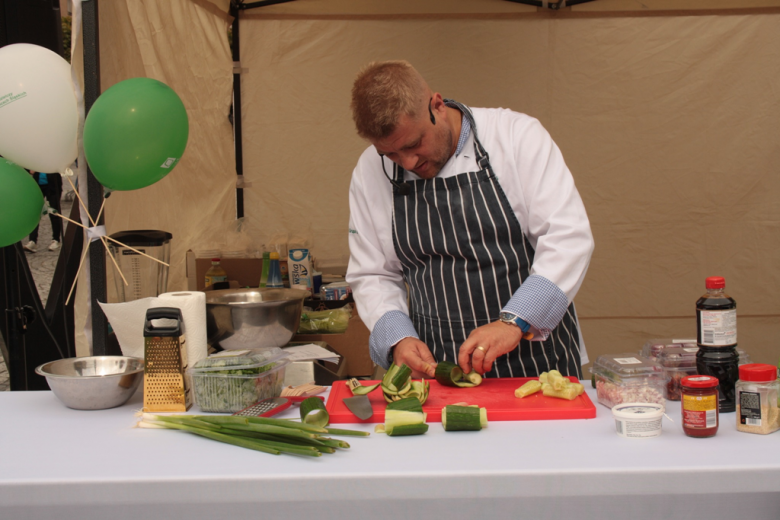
point(253, 318)
point(94, 382)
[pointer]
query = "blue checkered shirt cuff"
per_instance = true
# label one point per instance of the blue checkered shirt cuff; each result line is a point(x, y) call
point(391, 328)
point(540, 303)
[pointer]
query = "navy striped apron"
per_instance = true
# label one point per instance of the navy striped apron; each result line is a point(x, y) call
point(464, 255)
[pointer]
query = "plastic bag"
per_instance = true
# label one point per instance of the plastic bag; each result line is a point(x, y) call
point(333, 321)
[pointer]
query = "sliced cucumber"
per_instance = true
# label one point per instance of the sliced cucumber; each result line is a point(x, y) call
point(313, 412)
point(463, 418)
point(450, 374)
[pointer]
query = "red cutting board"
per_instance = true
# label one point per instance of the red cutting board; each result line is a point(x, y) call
point(497, 395)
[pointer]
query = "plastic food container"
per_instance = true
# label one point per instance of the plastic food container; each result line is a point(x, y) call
point(628, 378)
point(229, 383)
point(653, 348)
point(757, 403)
point(638, 420)
point(678, 362)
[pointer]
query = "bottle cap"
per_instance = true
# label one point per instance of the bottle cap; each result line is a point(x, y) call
point(757, 372)
point(215, 259)
point(274, 256)
point(716, 282)
point(699, 381)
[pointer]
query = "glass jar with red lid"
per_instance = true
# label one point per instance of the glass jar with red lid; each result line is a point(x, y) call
point(700, 405)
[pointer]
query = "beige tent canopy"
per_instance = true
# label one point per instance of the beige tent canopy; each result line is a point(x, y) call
point(666, 112)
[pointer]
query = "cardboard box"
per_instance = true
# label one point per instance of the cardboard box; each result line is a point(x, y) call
point(352, 345)
point(245, 271)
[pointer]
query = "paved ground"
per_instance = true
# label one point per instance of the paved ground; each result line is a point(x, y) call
point(42, 265)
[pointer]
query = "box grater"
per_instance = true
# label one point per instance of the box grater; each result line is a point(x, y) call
point(165, 362)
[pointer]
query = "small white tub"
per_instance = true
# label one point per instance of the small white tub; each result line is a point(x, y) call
point(638, 420)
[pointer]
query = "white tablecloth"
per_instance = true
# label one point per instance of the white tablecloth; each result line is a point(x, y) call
point(61, 463)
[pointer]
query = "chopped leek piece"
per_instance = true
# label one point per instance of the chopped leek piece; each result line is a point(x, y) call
point(531, 387)
point(557, 381)
point(569, 392)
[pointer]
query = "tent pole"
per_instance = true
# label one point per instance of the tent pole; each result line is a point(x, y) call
point(264, 3)
point(550, 4)
point(237, 134)
point(97, 255)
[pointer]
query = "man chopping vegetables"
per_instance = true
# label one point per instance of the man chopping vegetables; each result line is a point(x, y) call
point(474, 211)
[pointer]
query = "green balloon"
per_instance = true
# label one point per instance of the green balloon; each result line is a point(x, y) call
point(135, 134)
point(21, 203)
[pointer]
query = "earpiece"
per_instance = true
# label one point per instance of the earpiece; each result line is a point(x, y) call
point(403, 188)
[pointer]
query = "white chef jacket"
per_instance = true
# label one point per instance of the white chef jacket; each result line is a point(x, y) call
point(538, 185)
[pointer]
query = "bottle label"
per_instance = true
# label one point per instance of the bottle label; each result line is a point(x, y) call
point(699, 411)
point(628, 361)
point(750, 408)
point(718, 328)
point(211, 280)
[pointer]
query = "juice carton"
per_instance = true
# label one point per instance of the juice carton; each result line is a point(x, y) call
point(299, 268)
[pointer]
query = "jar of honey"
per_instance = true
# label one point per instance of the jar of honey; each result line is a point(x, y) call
point(700, 405)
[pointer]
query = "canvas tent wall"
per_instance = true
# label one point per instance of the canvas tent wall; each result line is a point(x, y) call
point(666, 116)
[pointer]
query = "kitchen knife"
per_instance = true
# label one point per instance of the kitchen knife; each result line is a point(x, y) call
point(360, 406)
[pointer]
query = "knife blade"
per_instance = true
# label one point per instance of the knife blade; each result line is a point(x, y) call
point(359, 405)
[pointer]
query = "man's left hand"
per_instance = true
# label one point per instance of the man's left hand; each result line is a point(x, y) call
point(486, 343)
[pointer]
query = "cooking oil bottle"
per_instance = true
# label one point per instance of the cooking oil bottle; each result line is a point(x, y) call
point(215, 274)
point(274, 273)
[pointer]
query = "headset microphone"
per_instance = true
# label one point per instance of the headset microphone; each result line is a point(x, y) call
point(403, 188)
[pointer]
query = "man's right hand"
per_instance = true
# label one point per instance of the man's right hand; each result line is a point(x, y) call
point(416, 355)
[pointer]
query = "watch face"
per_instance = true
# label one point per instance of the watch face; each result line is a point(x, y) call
point(506, 317)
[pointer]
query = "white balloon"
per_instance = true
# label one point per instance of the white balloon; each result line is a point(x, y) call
point(38, 112)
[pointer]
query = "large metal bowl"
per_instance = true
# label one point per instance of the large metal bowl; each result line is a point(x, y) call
point(94, 382)
point(253, 318)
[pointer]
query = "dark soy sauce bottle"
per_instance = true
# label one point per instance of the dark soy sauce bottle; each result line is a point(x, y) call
point(716, 335)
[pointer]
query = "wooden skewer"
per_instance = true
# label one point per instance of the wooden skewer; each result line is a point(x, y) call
point(115, 264)
point(84, 256)
point(105, 244)
point(139, 252)
point(84, 206)
point(78, 272)
point(115, 241)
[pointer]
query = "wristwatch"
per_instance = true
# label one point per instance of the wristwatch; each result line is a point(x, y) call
point(508, 317)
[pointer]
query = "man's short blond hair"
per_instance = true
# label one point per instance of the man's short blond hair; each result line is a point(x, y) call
point(383, 92)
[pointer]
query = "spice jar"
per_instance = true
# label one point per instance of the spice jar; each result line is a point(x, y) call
point(757, 390)
point(700, 405)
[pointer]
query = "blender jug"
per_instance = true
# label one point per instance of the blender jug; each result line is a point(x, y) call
point(144, 276)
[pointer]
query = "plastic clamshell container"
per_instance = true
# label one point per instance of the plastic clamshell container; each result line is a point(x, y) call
point(628, 378)
point(653, 348)
point(230, 383)
point(678, 362)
